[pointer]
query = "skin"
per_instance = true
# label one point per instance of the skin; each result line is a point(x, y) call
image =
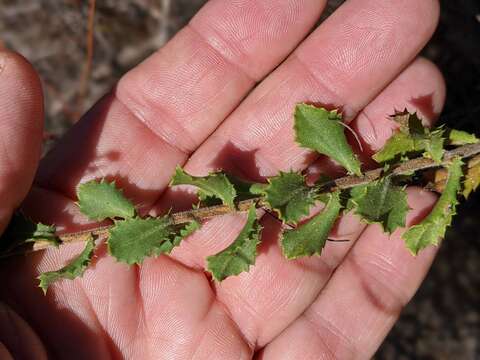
point(216, 96)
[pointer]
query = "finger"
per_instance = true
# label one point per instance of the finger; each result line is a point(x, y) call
point(293, 285)
point(164, 108)
point(17, 337)
point(160, 310)
point(345, 63)
point(21, 124)
point(420, 88)
point(374, 128)
point(257, 140)
point(364, 297)
point(111, 141)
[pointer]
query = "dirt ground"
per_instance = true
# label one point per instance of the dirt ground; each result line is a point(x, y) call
point(443, 320)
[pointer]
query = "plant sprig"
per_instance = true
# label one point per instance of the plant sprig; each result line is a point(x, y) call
point(376, 196)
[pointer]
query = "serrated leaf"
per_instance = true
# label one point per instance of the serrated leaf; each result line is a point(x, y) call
point(102, 200)
point(258, 188)
point(433, 227)
point(176, 238)
point(472, 180)
point(412, 137)
point(214, 185)
point(404, 140)
point(242, 253)
point(409, 123)
point(459, 137)
point(310, 238)
point(242, 188)
point(321, 130)
point(23, 230)
point(74, 269)
point(186, 231)
point(44, 232)
point(132, 240)
point(432, 143)
point(380, 202)
point(289, 196)
point(397, 145)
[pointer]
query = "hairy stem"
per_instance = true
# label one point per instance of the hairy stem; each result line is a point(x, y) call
point(205, 213)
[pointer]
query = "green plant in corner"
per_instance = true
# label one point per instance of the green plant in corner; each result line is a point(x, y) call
point(376, 196)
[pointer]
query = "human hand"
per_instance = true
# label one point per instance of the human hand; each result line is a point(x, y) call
point(191, 104)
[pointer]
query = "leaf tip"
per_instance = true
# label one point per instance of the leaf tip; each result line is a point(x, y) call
point(43, 284)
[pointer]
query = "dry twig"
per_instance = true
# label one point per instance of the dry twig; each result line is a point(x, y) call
point(342, 183)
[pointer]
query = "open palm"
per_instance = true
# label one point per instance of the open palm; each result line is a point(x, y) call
point(215, 97)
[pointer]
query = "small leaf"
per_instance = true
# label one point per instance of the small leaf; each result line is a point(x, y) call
point(44, 234)
point(434, 226)
point(185, 232)
point(132, 240)
point(433, 144)
point(381, 202)
point(459, 137)
point(409, 123)
point(472, 179)
point(240, 254)
point(289, 196)
point(214, 185)
point(258, 188)
point(242, 188)
point(310, 238)
point(399, 144)
point(74, 269)
point(322, 131)
point(102, 200)
point(412, 137)
point(22, 230)
point(176, 238)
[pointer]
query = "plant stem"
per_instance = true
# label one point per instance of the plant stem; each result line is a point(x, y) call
point(407, 167)
point(342, 183)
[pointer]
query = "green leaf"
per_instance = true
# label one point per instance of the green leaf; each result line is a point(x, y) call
point(102, 200)
point(44, 234)
point(409, 123)
point(21, 230)
point(310, 238)
point(403, 141)
point(412, 137)
point(381, 202)
point(433, 227)
point(399, 144)
point(289, 196)
point(214, 185)
point(132, 240)
point(176, 238)
point(74, 269)
point(432, 143)
point(322, 131)
point(242, 188)
point(258, 188)
point(458, 137)
point(185, 232)
point(240, 254)
point(472, 180)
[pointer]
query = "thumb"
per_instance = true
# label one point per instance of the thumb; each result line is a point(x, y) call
point(21, 126)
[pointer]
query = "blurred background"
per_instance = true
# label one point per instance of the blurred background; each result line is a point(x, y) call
point(443, 319)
